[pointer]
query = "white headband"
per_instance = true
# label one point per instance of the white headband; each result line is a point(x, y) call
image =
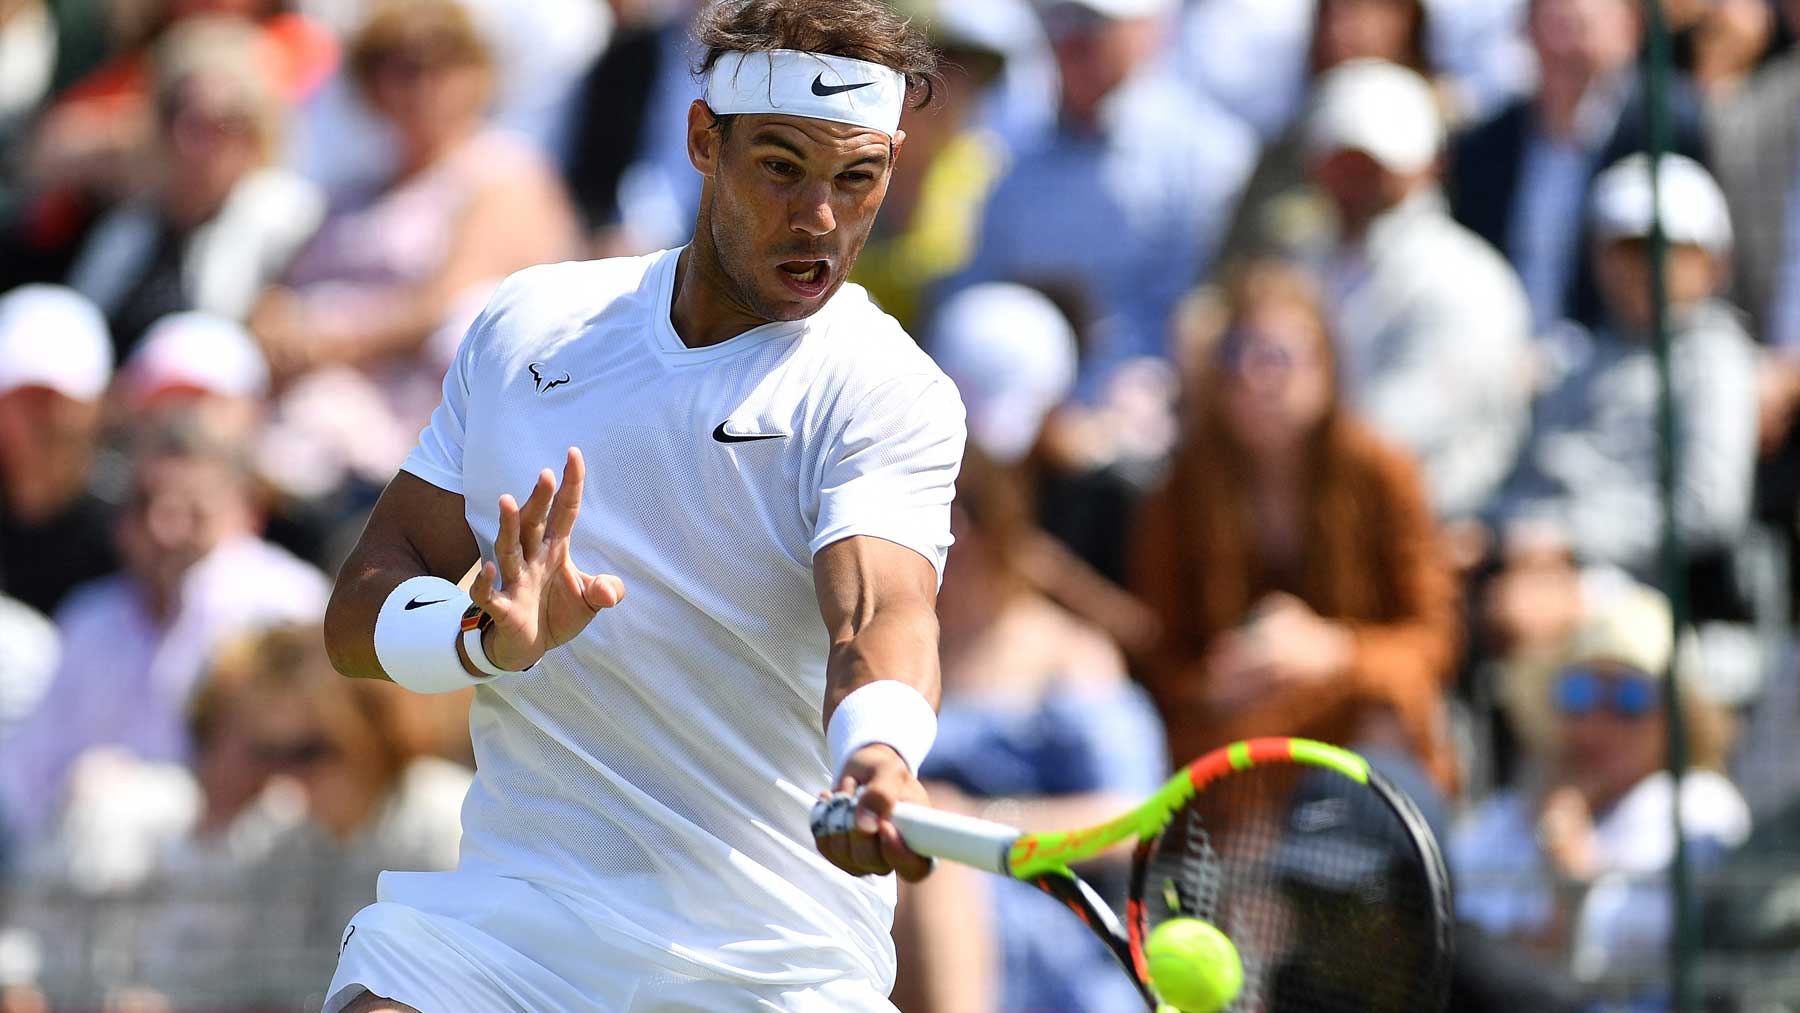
point(819, 87)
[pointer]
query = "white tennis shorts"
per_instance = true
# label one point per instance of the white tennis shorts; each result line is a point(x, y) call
point(458, 942)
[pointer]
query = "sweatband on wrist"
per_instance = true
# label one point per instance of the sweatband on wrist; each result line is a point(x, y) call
point(416, 633)
point(887, 712)
point(474, 623)
point(785, 82)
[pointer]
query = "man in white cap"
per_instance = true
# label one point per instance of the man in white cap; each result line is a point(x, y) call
point(772, 463)
point(198, 363)
point(55, 364)
point(1125, 200)
point(1590, 472)
point(1432, 327)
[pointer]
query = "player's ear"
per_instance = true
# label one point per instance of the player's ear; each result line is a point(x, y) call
point(704, 138)
point(899, 142)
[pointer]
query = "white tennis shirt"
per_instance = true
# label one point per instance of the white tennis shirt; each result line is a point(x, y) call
point(634, 774)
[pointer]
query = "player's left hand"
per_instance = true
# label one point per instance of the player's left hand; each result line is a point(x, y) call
point(873, 846)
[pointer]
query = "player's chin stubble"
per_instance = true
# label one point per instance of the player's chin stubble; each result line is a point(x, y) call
point(735, 261)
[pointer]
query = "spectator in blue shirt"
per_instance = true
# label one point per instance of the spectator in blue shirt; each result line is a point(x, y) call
point(1127, 196)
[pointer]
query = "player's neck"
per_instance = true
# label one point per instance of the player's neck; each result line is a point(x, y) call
point(701, 311)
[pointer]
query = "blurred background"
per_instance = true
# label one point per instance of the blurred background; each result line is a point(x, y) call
point(1311, 356)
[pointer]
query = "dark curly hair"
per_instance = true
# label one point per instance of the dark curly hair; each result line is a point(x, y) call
point(867, 30)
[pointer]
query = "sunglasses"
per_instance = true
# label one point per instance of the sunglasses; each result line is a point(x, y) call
point(298, 755)
point(1582, 692)
point(1248, 352)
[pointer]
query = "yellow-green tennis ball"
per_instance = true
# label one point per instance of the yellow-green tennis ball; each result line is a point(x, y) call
point(1193, 967)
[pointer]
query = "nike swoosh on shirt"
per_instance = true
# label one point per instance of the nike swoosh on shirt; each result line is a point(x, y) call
point(724, 437)
point(417, 604)
point(823, 90)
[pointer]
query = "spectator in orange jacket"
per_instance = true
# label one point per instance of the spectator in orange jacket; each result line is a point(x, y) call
point(1291, 555)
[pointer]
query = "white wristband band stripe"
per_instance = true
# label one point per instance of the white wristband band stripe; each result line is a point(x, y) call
point(887, 712)
point(416, 633)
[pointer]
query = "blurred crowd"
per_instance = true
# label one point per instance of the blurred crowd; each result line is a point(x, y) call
point(1309, 354)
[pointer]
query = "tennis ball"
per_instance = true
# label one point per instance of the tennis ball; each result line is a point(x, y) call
point(1193, 967)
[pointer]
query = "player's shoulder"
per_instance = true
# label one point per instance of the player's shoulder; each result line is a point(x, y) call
point(532, 302)
point(864, 347)
point(585, 284)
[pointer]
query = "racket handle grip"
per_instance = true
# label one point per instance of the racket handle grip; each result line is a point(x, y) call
point(965, 840)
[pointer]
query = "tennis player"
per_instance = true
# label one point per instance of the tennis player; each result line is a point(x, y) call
point(766, 461)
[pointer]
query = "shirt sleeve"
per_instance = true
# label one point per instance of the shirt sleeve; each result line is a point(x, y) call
point(438, 457)
point(891, 473)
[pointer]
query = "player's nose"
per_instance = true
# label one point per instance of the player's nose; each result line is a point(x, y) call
point(811, 212)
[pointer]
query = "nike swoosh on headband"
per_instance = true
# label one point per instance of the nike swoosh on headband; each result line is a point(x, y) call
point(823, 90)
point(417, 604)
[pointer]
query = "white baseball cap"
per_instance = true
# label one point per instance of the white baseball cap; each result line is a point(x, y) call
point(1012, 355)
point(196, 352)
point(1693, 206)
point(54, 337)
point(1381, 109)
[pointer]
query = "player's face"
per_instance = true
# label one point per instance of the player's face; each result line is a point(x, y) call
point(789, 204)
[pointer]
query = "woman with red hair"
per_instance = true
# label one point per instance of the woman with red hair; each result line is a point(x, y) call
point(1291, 555)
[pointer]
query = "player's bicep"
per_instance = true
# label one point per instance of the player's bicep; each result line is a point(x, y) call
point(879, 602)
point(856, 578)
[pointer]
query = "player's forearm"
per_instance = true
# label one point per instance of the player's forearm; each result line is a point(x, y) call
point(369, 576)
point(898, 642)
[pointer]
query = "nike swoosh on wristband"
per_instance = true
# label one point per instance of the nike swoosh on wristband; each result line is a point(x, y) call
point(417, 604)
point(823, 90)
point(724, 437)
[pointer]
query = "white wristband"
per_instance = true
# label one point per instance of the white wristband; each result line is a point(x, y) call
point(887, 712)
point(416, 632)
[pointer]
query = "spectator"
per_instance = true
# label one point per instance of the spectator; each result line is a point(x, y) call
point(1756, 152)
point(1719, 43)
point(1250, 56)
point(628, 162)
point(541, 50)
point(55, 362)
point(1589, 475)
point(1126, 199)
point(85, 151)
point(1012, 355)
point(220, 222)
point(199, 365)
point(1519, 178)
point(926, 230)
point(466, 206)
point(1291, 555)
point(1279, 212)
point(1039, 728)
point(1481, 49)
point(135, 643)
point(1576, 858)
point(29, 651)
point(377, 805)
point(1433, 328)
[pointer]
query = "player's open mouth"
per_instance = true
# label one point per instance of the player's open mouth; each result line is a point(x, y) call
point(807, 277)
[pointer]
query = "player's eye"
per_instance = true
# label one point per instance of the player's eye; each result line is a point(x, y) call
point(856, 178)
point(781, 168)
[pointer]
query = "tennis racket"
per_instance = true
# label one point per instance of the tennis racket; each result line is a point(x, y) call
point(1323, 875)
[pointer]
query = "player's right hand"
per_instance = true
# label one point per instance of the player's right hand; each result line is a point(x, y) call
point(537, 596)
point(876, 777)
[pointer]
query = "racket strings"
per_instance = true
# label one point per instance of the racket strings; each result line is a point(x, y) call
point(1314, 879)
